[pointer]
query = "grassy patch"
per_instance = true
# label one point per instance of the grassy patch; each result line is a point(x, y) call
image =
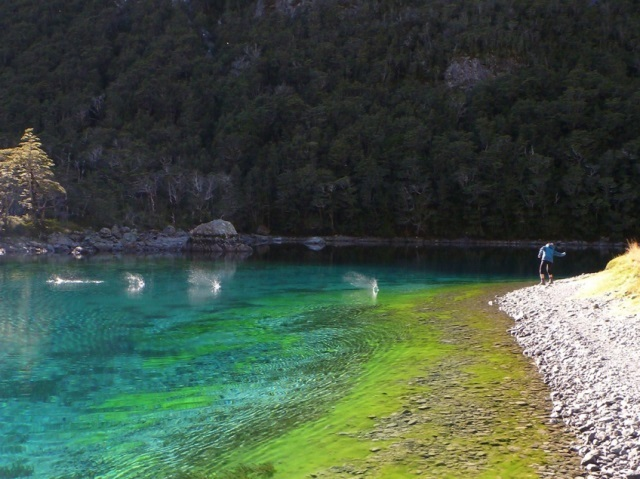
point(620, 278)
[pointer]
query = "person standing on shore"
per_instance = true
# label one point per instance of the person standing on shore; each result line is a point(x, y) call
point(546, 254)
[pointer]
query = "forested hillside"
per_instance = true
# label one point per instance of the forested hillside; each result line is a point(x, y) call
point(480, 118)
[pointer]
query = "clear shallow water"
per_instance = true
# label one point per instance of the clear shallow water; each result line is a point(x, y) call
point(136, 367)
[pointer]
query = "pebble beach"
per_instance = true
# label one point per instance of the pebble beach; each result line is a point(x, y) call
point(587, 351)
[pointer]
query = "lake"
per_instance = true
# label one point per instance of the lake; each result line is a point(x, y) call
point(281, 364)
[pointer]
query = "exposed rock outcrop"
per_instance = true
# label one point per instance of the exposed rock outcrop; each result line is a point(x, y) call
point(465, 72)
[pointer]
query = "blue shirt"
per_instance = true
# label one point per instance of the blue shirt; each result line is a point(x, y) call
point(548, 251)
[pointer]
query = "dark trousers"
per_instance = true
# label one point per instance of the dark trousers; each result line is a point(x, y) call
point(546, 266)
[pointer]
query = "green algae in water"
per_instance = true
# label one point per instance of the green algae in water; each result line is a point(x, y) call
point(15, 470)
point(174, 377)
point(178, 379)
point(454, 398)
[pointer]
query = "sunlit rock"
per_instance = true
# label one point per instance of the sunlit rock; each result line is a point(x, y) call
point(217, 236)
point(216, 229)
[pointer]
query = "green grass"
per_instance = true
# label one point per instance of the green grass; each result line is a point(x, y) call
point(621, 278)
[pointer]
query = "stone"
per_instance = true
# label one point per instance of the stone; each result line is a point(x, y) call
point(215, 228)
point(217, 236)
point(61, 243)
point(129, 238)
point(105, 233)
point(588, 355)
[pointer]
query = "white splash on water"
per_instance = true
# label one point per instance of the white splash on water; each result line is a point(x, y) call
point(136, 282)
point(203, 282)
point(363, 282)
point(58, 280)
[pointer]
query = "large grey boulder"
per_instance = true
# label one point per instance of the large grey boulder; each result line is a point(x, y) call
point(61, 243)
point(215, 228)
point(217, 236)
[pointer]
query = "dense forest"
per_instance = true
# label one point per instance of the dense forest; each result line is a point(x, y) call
point(493, 119)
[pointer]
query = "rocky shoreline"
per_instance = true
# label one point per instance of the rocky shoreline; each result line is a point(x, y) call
point(220, 237)
point(215, 237)
point(588, 353)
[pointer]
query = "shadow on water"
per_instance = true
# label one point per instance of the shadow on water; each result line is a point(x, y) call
point(510, 262)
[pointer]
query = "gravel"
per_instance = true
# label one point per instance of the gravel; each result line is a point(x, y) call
point(588, 353)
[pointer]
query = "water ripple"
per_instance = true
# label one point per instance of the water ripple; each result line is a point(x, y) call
point(122, 377)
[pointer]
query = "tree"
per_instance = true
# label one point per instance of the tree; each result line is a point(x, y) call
point(27, 173)
point(333, 116)
point(9, 190)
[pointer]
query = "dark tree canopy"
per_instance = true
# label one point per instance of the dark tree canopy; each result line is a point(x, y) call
point(484, 118)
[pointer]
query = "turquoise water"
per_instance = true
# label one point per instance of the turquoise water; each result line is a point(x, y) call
point(143, 367)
